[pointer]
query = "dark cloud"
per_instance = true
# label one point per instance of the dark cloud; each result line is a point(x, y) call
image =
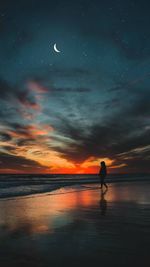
point(15, 101)
point(25, 141)
point(19, 129)
point(116, 135)
point(4, 137)
point(8, 148)
point(18, 163)
point(28, 102)
point(135, 162)
point(141, 107)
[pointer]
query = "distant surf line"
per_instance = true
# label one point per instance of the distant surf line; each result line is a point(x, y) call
point(86, 188)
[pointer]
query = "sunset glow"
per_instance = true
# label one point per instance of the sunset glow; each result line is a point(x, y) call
point(65, 112)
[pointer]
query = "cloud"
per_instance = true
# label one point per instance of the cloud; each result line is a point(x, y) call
point(14, 95)
point(122, 127)
point(37, 87)
point(19, 164)
point(4, 137)
point(28, 102)
point(117, 133)
point(30, 134)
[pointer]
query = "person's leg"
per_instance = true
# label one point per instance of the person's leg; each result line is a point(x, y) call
point(102, 182)
point(105, 185)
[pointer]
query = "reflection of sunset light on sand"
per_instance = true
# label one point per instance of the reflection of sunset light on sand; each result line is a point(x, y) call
point(46, 213)
point(42, 214)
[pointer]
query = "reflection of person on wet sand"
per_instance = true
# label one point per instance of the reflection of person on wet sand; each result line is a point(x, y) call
point(103, 202)
point(102, 174)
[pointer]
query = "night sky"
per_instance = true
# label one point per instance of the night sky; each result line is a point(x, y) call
point(64, 112)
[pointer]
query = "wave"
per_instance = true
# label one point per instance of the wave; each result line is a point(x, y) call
point(21, 185)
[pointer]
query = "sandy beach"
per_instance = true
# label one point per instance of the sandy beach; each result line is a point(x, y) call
point(77, 226)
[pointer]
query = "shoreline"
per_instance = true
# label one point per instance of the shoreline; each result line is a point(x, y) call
point(48, 191)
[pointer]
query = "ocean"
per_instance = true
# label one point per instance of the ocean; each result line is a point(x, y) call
point(13, 185)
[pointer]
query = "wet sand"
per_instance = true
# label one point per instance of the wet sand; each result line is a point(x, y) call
point(78, 226)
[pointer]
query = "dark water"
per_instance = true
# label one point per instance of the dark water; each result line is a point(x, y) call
point(78, 227)
point(26, 184)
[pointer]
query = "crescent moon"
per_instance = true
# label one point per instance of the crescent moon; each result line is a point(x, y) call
point(55, 48)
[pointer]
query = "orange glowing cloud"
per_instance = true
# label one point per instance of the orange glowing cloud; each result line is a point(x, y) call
point(91, 165)
point(36, 130)
point(31, 131)
point(15, 134)
point(37, 146)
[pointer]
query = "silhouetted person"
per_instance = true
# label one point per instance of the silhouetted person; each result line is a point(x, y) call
point(103, 173)
point(103, 202)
